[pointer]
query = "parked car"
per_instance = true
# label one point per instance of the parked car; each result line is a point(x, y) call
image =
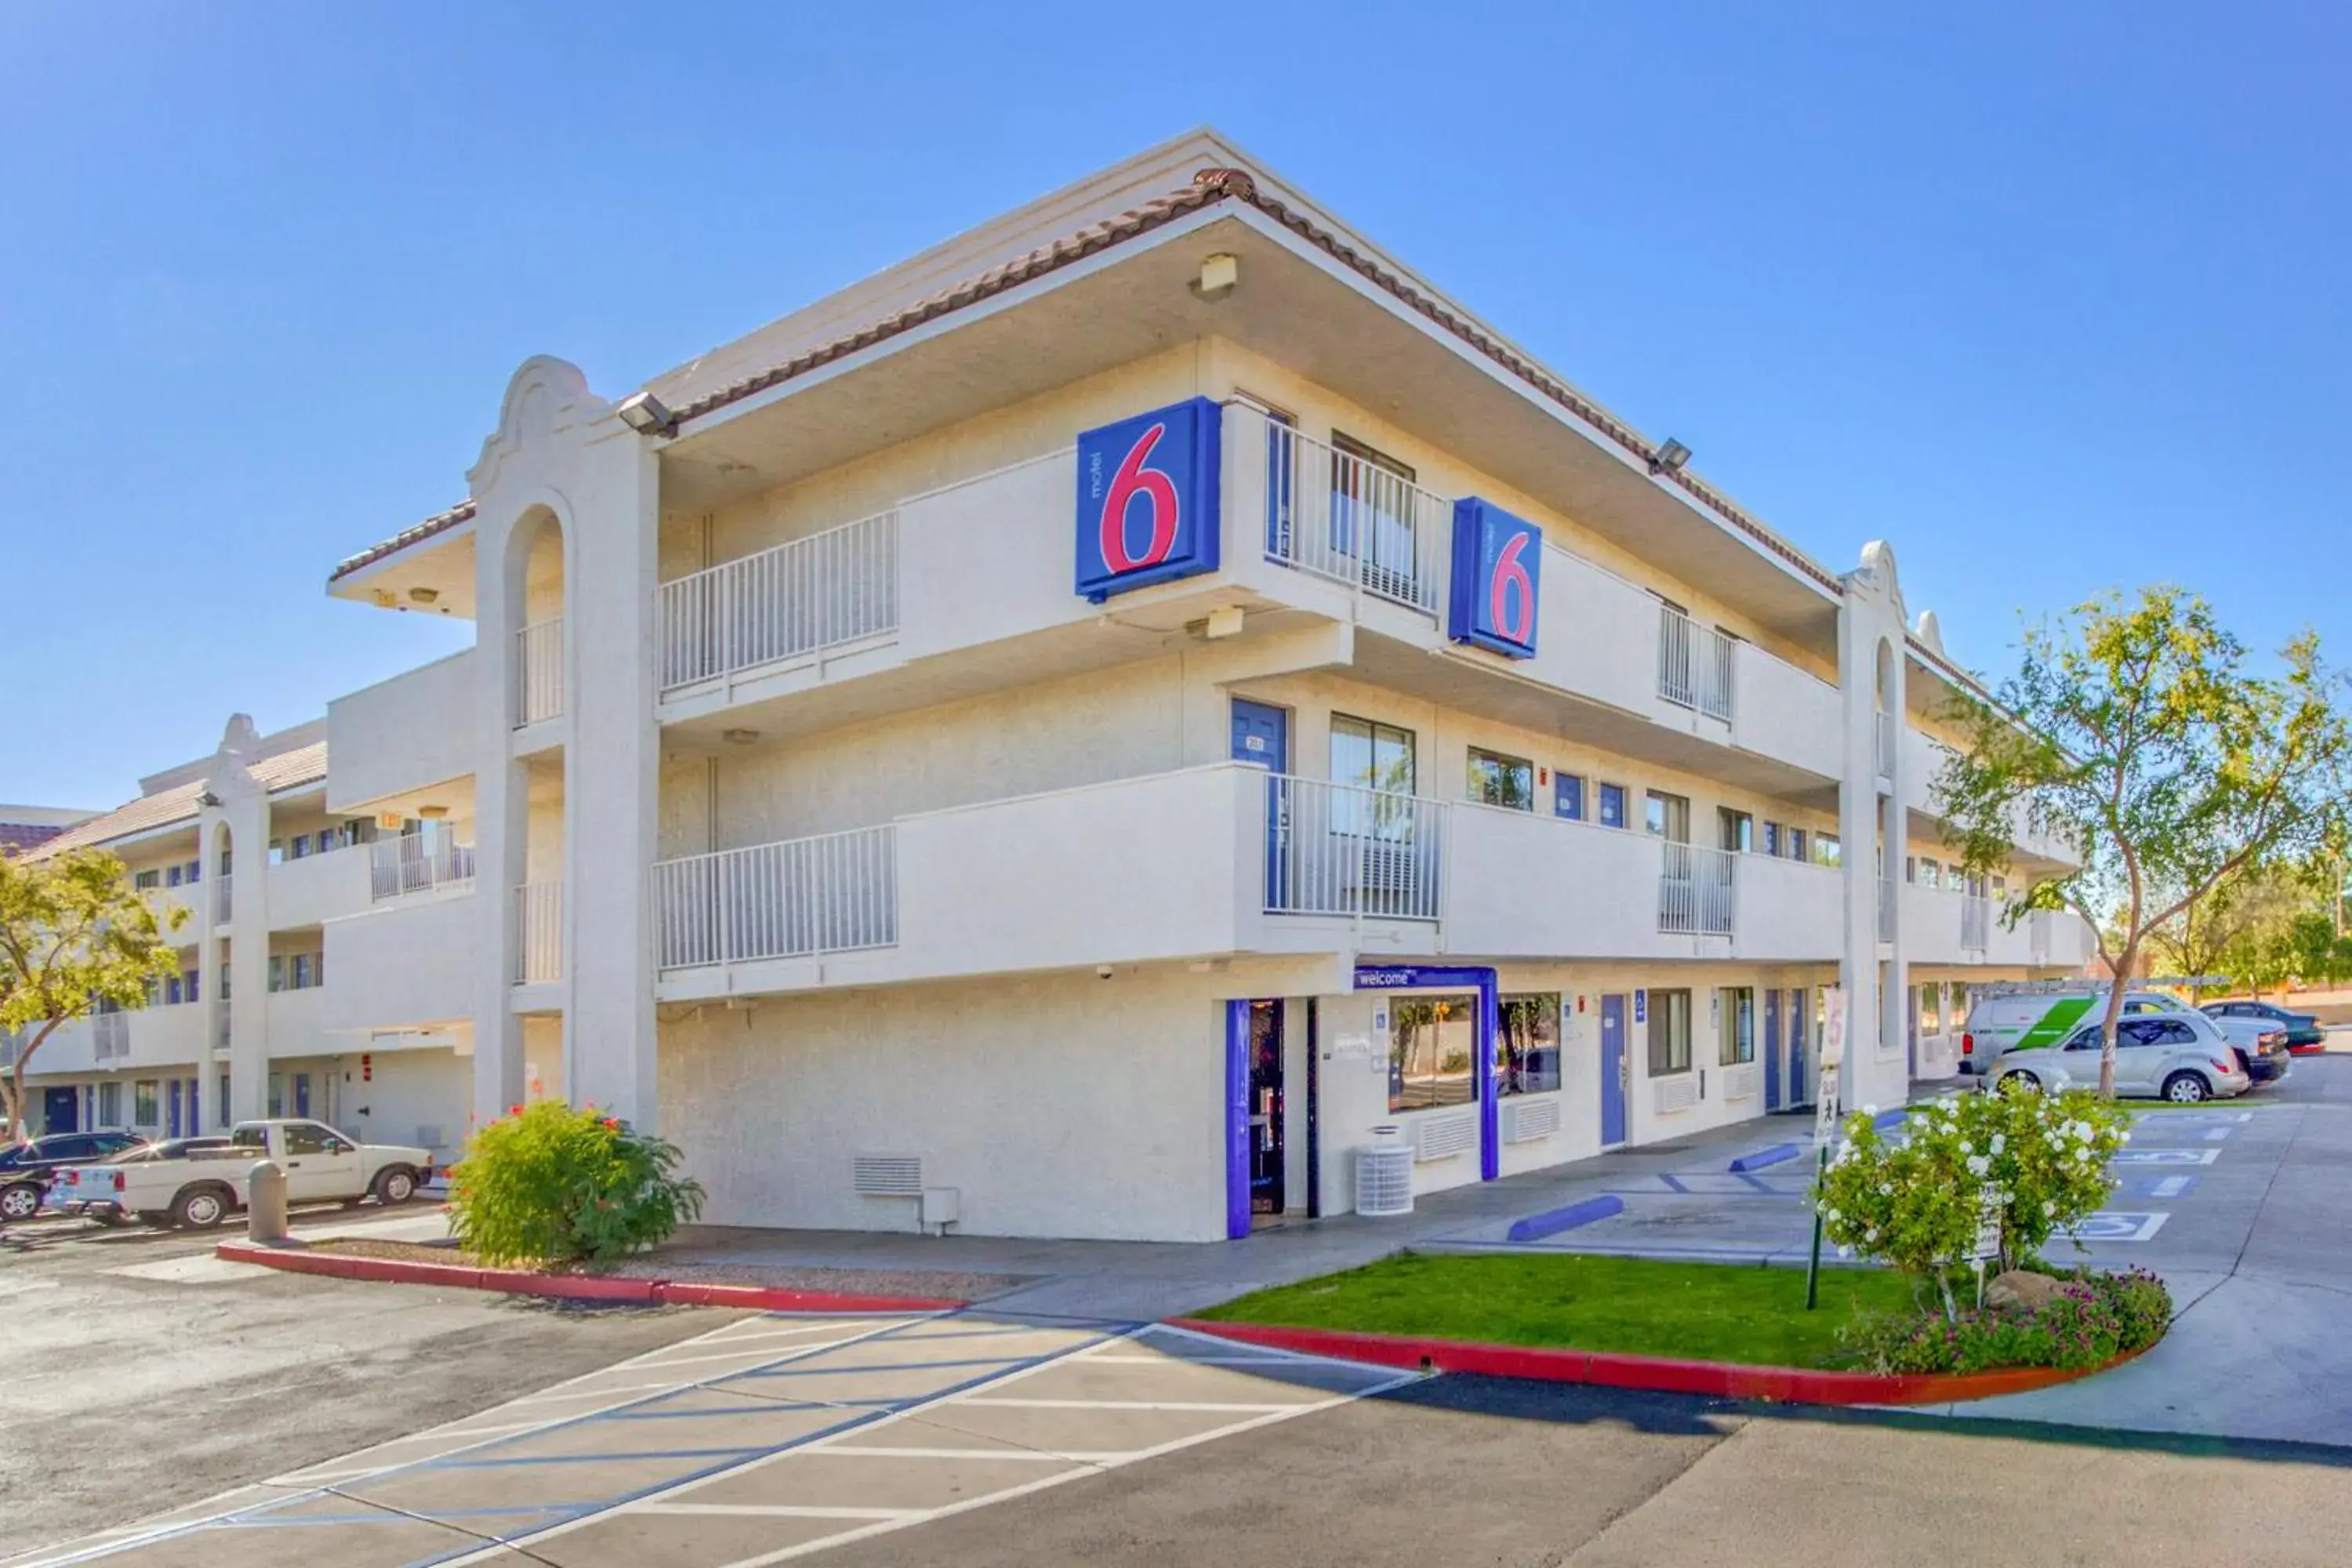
point(2181, 1057)
point(2261, 1046)
point(26, 1168)
point(2304, 1034)
point(89, 1190)
point(2001, 1021)
point(205, 1186)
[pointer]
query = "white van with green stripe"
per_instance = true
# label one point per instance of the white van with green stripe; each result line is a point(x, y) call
point(2028, 1019)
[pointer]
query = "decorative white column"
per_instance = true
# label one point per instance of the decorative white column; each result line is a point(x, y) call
point(1871, 811)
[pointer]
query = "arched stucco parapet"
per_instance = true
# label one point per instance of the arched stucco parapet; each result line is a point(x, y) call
point(1876, 575)
point(544, 397)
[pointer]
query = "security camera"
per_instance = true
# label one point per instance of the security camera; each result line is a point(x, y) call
point(1102, 971)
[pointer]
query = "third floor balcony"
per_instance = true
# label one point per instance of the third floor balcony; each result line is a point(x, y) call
point(969, 587)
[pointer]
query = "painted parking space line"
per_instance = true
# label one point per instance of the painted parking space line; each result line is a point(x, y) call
point(2164, 1156)
point(2148, 1184)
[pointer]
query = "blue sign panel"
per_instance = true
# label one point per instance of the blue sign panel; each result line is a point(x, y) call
point(1148, 498)
point(1498, 573)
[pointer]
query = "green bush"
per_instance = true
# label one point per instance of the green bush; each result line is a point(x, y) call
point(1913, 1202)
point(2095, 1318)
point(555, 1184)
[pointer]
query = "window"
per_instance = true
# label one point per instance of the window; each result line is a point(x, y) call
point(1797, 845)
point(277, 972)
point(1771, 838)
point(1930, 874)
point(110, 1105)
point(1431, 1042)
point(1910, 869)
point(1527, 1045)
point(1670, 1032)
point(172, 877)
point(249, 1138)
point(1736, 829)
point(305, 972)
point(142, 1102)
point(224, 1118)
point(277, 1095)
point(171, 987)
point(1612, 805)
point(277, 849)
point(1737, 1041)
point(1667, 816)
point(301, 845)
point(1373, 756)
point(310, 1136)
point(150, 877)
point(1931, 1017)
point(302, 1095)
point(1827, 851)
point(224, 983)
point(1497, 780)
point(1568, 796)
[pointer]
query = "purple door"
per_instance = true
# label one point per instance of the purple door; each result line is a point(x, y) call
point(1612, 1070)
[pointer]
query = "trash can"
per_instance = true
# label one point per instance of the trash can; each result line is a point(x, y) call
point(1384, 1175)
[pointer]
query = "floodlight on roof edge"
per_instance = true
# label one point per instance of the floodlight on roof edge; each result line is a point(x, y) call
point(1670, 457)
point(647, 415)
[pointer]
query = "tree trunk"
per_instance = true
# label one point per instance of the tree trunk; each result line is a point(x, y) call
point(2107, 1029)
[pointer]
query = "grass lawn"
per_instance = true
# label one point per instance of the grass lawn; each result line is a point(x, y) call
point(1702, 1311)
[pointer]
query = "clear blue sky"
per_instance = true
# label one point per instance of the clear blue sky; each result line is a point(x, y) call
point(2050, 297)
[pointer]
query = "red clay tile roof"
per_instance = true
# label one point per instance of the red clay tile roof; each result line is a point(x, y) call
point(286, 770)
point(1208, 187)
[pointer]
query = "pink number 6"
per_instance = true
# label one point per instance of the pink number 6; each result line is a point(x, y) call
point(1510, 572)
point(1132, 479)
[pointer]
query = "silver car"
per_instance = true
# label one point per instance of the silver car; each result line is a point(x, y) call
point(2180, 1056)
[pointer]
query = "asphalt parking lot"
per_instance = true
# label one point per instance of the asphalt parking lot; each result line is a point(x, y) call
point(138, 1373)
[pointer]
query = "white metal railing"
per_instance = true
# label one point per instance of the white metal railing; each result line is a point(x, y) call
point(539, 671)
point(1341, 849)
point(1696, 890)
point(1976, 923)
point(223, 904)
point(1693, 664)
point(1340, 517)
point(798, 598)
point(417, 863)
point(2037, 936)
point(538, 932)
point(836, 892)
point(1886, 740)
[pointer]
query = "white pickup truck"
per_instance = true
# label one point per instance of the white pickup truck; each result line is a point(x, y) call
point(201, 1186)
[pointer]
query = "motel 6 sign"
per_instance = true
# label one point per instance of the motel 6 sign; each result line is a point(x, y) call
point(1148, 500)
point(1498, 575)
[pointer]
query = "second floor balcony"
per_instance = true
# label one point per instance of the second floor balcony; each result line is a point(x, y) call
point(1210, 862)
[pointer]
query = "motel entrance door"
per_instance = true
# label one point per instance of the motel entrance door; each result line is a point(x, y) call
point(1267, 1194)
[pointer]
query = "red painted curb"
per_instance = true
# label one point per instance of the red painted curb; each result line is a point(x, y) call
point(298, 1259)
point(1663, 1374)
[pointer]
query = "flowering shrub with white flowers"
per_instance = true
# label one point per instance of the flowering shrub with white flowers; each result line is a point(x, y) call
point(1912, 1201)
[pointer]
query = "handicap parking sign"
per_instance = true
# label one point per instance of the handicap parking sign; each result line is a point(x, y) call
point(2108, 1225)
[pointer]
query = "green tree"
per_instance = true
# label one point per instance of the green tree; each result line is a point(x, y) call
point(2135, 733)
point(73, 935)
point(2231, 933)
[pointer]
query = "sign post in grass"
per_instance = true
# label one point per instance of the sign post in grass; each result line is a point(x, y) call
point(1825, 1124)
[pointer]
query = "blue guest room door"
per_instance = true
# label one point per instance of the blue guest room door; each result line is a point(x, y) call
point(1261, 737)
point(1612, 1071)
point(1772, 1050)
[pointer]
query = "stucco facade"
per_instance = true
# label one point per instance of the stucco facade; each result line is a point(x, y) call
point(813, 815)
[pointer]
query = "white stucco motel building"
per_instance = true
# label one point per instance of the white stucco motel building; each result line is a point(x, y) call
point(1069, 735)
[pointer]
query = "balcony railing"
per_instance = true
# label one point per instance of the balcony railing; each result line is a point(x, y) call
point(110, 1035)
point(538, 932)
point(2037, 936)
point(801, 597)
point(838, 892)
point(1340, 517)
point(1340, 849)
point(1693, 664)
point(1698, 890)
point(415, 863)
point(1976, 923)
point(539, 672)
point(222, 903)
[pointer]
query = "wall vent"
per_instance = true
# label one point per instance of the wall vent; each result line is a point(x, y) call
point(1525, 1121)
point(888, 1175)
point(1441, 1137)
point(1679, 1093)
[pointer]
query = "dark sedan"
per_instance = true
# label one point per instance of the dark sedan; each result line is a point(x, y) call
point(2304, 1034)
point(26, 1168)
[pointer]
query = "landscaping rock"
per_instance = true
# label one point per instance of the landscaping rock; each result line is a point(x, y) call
point(2021, 1288)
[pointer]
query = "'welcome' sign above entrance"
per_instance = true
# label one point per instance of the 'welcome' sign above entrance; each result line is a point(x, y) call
point(1148, 500)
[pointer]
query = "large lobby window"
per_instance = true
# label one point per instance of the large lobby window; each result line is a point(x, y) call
point(1527, 1045)
point(1433, 1042)
point(1670, 1032)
